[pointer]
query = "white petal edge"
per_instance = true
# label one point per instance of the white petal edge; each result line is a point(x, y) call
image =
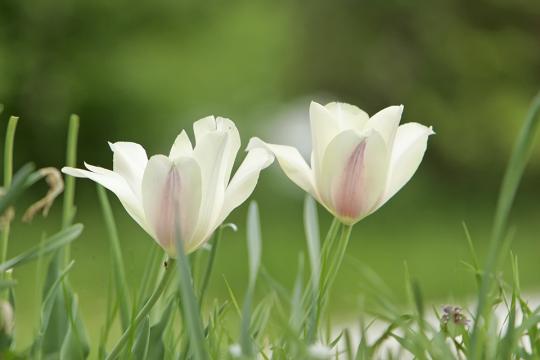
point(407, 154)
point(245, 179)
point(129, 161)
point(348, 116)
point(115, 183)
point(181, 147)
point(291, 162)
point(386, 123)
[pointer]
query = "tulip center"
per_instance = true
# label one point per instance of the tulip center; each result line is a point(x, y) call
point(349, 194)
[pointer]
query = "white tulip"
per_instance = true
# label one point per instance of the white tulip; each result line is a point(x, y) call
point(357, 162)
point(190, 188)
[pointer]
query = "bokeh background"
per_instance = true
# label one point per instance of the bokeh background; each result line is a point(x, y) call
point(142, 71)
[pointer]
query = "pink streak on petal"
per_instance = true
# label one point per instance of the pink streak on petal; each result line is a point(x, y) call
point(349, 198)
point(168, 212)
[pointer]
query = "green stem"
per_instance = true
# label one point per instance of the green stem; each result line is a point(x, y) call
point(8, 176)
point(145, 310)
point(332, 254)
point(209, 266)
point(69, 188)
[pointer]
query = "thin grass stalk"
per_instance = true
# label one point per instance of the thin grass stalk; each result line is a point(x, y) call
point(68, 210)
point(210, 266)
point(8, 176)
point(512, 178)
point(117, 260)
point(145, 310)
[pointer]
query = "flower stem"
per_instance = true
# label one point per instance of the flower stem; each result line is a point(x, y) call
point(8, 175)
point(210, 266)
point(169, 271)
point(332, 256)
point(69, 192)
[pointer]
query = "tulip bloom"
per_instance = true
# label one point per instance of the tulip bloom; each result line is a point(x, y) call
point(357, 162)
point(188, 190)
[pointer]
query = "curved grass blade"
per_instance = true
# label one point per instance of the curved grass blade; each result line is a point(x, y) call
point(51, 244)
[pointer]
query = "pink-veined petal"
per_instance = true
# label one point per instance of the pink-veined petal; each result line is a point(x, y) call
point(171, 194)
point(354, 169)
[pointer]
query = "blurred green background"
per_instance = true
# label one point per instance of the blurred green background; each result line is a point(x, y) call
point(142, 71)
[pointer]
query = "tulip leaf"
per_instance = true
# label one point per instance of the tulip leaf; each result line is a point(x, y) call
point(157, 348)
point(49, 301)
point(141, 345)
point(75, 345)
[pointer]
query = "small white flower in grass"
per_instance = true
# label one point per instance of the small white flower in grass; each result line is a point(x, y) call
point(192, 186)
point(357, 162)
point(320, 351)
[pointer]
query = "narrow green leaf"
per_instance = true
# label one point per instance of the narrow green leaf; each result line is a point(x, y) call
point(122, 291)
point(254, 258)
point(75, 345)
point(51, 244)
point(157, 346)
point(189, 305)
point(311, 227)
point(142, 341)
point(18, 185)
point(53, 320)
point(254, 242)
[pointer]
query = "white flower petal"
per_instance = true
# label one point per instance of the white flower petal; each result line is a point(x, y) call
point(354, 170)
point(211, 155)
point(181, 147)
point(171, 199)
point(409, 148)
point(324, 128)
point(115, 183)
point(348, 116)
point(386, 122)
point(244, 180)
point(292, 163)
point(212, 124)
point(129, 160)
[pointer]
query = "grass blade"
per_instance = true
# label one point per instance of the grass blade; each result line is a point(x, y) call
point(189, 305)
point(120, 282)
point(53, 243)
point(254, 251)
